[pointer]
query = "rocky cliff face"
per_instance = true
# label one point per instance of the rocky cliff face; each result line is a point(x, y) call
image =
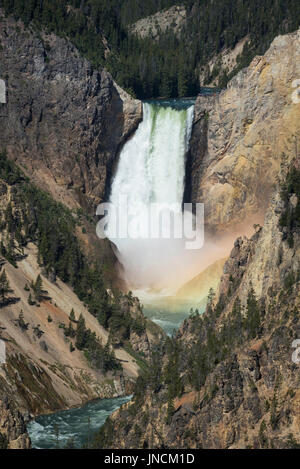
point(239, 137)
point(13, 434)
point(155, 26)
point(63, 121)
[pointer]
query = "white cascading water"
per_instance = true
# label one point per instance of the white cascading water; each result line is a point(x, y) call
point(151, 169)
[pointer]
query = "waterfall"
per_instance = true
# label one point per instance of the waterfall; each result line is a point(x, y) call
point(151, 169)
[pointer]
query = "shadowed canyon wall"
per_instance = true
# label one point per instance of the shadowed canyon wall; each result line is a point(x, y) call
point(63, 122)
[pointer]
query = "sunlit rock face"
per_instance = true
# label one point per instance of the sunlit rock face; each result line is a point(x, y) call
point(240, 136)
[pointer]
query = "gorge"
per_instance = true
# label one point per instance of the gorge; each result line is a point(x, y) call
point(80, 315)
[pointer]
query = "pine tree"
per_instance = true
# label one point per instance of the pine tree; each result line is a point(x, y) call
point(166, 84)
point(81, 333)
point(183, 81)
point(72, 315)
point(38, 288)
point(253, 319)
point(69, 331)
point(30, 300)
point(4, 286)
point(170, 410)
point(21, 322)
point(103, 313)
point(211, 298)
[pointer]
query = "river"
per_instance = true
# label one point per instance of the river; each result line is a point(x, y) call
point(77, 425)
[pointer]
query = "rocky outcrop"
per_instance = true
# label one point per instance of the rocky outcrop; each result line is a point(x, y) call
point(63, 122)
point(156, 25)
point(146, 335)
point(13, 433)
point(226, 61)
point(240, 135)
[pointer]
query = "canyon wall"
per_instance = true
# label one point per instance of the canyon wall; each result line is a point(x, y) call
point(240, 136)
point(63, 122)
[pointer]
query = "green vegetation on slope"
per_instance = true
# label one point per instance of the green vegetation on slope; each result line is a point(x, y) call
point(33, 216)
point(170, 66)
point(290, 193)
